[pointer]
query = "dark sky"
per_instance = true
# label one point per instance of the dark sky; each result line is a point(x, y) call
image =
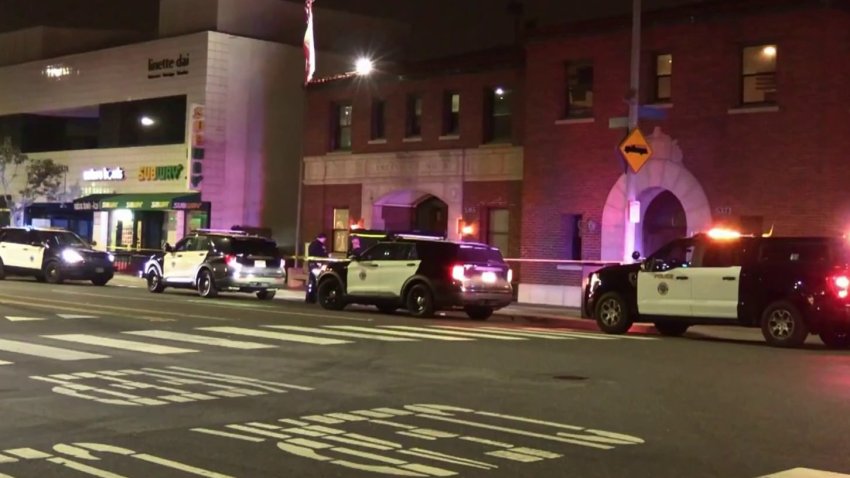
point(439, 26)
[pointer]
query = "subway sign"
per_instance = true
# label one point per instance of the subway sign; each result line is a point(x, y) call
point(161, 173)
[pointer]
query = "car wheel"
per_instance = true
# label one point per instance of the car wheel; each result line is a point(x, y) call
point(479, 313)
point(782, 325)
point(420, 301)
point(835, 340)
point(155, 284)
point(52, 274)
point(671, 329)
point(100, 282)
point(387, 308)
point(266, 294)
point(206, 285)
point(612, 314)
point(330, 295)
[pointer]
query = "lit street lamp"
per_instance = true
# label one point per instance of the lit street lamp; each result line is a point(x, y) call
point(364, 66)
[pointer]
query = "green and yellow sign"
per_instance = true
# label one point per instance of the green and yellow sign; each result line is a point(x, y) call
point(160, 173)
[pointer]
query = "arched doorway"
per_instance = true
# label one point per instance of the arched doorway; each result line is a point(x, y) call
point(663, 221)
point(411, 211)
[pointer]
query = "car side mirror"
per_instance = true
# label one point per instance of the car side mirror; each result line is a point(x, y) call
point(167, 247)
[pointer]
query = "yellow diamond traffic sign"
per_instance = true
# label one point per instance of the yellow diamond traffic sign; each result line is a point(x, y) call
point(636, 150)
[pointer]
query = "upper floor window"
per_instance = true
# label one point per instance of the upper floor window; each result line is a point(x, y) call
point(414, 115)
point(579, 89)
point(499, 124)
point(451, 113)
point(663, 77)
point(341, 218)
point(379, 110)
point(341, 125)
point(758, 72)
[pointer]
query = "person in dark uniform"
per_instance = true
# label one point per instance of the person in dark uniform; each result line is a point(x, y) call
point(356, 248)
point(316, 249)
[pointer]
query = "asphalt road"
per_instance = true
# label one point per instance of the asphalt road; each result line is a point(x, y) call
point(115, 381)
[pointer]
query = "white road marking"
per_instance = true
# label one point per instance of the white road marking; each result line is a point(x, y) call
point(513, 456)
point(432, 330)
point(200, 339)
point(305, 339)
point(179, 466)
point(339, 333)
point(257, 431)
point(508, 332)
point(76, 316)
point(805, 473)
point(3, 362)
point(457, 460)
point(399, 333)
point(27, 453)
point(14, 318)
point(89, 470)
point(119, 344)
point(589, 335)
point(45, 351)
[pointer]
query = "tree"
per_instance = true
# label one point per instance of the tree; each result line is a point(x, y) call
point(43, 180)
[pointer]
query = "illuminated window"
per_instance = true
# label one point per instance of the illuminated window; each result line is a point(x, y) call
point(451, 113)
point(414, 115)
point(379, 109)
point(579, 92)
point(498, 229)
point(500, 106)
point(340, 239)
point(342, 113)
point(758, 74)
point(664, 77)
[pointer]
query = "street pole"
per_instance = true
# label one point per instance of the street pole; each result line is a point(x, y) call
point(634, 103)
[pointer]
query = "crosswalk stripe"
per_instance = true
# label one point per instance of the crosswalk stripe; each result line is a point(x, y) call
point(76, 316)
point(340, 333)
point(3, 362)
point(119, 344)
point(12, 318)
point(805, 473)
point(306, 339)
point(590, 335)
point(509, 332)
point(432, 330)
point(46, 351)
point(200, 339)
point(400, 333)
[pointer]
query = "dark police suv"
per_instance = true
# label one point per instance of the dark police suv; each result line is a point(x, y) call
point(788, 286)
point(422, 275)
point(52, 255)
point(212, 261)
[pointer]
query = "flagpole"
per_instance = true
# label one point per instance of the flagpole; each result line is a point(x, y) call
point(309, 69)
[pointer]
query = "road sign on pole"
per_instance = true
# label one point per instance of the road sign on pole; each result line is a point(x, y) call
point(636, 150)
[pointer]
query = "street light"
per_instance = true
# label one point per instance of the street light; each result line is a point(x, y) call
point(147, 121)
point(364, 66)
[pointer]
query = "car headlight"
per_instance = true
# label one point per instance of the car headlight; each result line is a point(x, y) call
point(595, 282)
point(71, 256)
point(111, 257)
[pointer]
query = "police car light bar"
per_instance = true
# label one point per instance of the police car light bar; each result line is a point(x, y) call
point(420, 236)
point(720, 233)
point(222, 231)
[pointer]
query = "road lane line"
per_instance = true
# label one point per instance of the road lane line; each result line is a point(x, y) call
point(77, 316)
point(587, 335)
point(432, 330)
point(46, 351)
point(510, 333)
point(119, 344)
point(200, 339)
point(305, 339)
point(228, 435)
point(27, 453)
point(12, 318)
point(3, 362)
point(176, 465)
point(339, 333)
point(399, 333)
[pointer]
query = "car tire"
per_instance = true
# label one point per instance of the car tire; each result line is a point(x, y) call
point(267, 294)
point(612, 314)
point(330, 295)
point(387, 308)
point(52, 273)
point(782, 325)
point(835, 340)
point(671, 329)
point(479, 313)
point(420, 301)
point(206, 285)
point(100, 282)
point(154, 281)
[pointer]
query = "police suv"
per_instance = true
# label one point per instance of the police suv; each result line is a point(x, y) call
point(52, 255)
point(422, 275)
point(788, 286)
point(211, 261)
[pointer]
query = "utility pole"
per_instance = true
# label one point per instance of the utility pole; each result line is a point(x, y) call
point(634, 105)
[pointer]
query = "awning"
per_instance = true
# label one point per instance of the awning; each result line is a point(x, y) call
point(140, 202)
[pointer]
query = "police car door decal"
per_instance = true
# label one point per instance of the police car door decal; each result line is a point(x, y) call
point(664, 292)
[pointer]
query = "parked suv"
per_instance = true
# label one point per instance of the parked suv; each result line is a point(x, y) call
point(788, 286)
point(211, 261)
point(422, 275)
point(52, 255)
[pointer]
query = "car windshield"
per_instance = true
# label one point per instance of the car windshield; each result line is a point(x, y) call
point(251, 246)
point(68, 239)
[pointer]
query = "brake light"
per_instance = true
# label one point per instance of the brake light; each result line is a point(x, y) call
point(230, 260)
point(840, 286)
point(459, 272)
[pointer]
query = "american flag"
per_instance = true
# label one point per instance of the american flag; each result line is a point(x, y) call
point(309, 46)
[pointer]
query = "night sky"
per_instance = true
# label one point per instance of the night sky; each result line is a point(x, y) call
point(439, 26)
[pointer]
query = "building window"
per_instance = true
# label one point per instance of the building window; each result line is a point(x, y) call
point(451, 113)
point(414, 115)
point(341, 226)
point(758, 74)
point(498, 229)
point(579, 89)
point(499, 105)
point(379, 108)
point(663, 77)
point(342, 126)
point(571, 228)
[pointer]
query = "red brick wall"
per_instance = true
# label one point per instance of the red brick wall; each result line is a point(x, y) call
point(788, 166)
point(318, 207)
point(480, 197)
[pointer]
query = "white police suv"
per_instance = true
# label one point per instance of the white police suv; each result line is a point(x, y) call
point(52, 255)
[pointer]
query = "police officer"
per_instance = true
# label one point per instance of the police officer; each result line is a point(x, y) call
point(316, 249)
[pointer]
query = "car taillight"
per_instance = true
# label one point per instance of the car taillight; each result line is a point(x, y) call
point(510, 276)
point(840, 285)
point(459, 272)
point(230, 260)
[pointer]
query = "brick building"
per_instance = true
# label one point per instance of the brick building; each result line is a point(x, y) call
point(746, 111)
point(432, 147)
